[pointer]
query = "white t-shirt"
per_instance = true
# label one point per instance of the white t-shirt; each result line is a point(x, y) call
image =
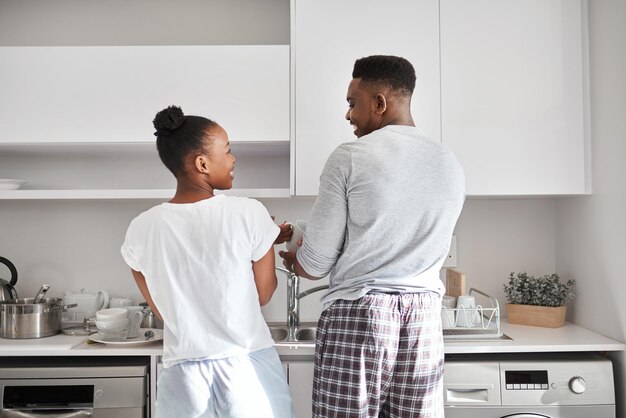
point(197, 261)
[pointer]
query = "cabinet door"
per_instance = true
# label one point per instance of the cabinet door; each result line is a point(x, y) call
point(328, 36)
point(512, 94)
point(301, 386)
point(111, 94)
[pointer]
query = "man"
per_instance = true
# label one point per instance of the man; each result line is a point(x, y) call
point(381, 226)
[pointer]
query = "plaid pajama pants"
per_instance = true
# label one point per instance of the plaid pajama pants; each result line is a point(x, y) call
point(380, 356)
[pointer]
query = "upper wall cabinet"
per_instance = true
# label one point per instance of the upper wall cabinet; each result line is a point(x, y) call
point(327, 37)
point(77, 121)
point(513, 94)
point(111, 94)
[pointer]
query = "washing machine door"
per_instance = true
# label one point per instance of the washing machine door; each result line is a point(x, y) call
point(580, 411)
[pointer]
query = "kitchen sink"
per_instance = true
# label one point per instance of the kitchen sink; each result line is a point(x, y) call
point(304, 335)
point(279, 333)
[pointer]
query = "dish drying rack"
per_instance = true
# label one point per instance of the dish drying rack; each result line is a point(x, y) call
point(487, 324)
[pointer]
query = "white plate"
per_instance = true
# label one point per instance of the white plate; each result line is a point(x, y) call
point(158, 336)
point(11, 184)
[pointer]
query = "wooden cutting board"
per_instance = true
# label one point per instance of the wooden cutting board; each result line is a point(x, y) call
point(455, 283)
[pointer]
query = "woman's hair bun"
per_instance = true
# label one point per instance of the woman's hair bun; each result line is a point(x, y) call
point(168, 120)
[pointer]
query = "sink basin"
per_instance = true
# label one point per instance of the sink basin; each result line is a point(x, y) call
point(306, 334)
point(278, 333)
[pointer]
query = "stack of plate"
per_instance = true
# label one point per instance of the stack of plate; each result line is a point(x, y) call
point(11, 184)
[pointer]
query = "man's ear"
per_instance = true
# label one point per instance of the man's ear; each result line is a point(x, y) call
point(202, 164)
point(381, 103)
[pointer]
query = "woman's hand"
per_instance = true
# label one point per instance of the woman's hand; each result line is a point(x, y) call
point(285, 233)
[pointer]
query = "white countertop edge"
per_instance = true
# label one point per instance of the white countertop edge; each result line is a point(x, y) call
point(569, 338)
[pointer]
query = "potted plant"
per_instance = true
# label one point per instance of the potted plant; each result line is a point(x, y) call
point(539, 302)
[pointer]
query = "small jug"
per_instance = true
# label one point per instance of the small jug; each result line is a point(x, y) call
point(87, 303)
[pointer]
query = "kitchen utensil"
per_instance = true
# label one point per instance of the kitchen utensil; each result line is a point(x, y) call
point(467, 314)
point(120, 302)
point(22, 318)
point(134, 323)
point(150, 320)
point(11, 184)
point(88, 303)
point(158, 336)
point(42, 291)
point(298, 228)
point(116, 325)
point(455, 283)
point(7, 291)
point(111, 314)
point(448, 305)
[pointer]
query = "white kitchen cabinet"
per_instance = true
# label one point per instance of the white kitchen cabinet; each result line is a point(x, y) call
point(301, 386)
point(111, 93)
point(327, 37)
point(76, 121)
point(513, 95)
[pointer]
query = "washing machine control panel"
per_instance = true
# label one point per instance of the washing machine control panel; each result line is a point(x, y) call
point(526, 380)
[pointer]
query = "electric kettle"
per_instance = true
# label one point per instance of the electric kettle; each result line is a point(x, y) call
point(8, 292)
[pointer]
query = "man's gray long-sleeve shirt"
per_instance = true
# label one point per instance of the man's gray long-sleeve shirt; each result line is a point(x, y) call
point(384, 215)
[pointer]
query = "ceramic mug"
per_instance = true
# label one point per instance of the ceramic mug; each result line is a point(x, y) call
point(117, 302)
point(134, 323)
point(298, 228)
point(111, 314)
point(447, 312)
point(466, 312)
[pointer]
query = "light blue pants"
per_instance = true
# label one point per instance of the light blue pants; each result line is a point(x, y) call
point(250, 386)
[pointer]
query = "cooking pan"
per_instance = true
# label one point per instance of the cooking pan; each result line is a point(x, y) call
point(22, 318)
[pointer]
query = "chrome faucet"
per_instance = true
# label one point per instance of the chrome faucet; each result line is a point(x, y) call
point(293, 300)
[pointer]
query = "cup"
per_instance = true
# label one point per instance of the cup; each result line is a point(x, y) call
point(112, 329)
point(447, 312)
point(118, 302)
point(134, 323)
point(298, 228)
point(111, 314)
point(466, 312)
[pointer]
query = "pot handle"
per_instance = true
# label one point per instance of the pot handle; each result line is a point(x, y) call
point(60, 308)
point(12, 269)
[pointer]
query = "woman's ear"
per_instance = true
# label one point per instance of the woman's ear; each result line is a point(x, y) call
point(202, 164)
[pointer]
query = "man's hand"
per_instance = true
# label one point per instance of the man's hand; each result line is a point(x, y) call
point(289, 260)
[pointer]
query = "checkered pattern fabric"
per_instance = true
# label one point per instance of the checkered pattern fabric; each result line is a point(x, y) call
point(380, 356)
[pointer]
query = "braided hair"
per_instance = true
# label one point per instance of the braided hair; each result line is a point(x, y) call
point(179, 135)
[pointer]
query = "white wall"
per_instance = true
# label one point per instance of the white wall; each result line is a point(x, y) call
point(75, 244)
point(590, 230)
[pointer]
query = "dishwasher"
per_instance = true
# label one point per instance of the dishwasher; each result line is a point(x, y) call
point(540, 386)
point(74, 387)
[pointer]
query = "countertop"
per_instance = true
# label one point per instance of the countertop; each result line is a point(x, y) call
point(524, 339)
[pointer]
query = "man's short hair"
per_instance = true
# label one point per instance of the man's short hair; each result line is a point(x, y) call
point(395, 72)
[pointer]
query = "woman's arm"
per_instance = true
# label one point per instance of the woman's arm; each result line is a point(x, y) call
point(143, 288)
point(265, 276)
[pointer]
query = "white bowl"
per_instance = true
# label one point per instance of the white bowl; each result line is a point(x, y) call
point(117, 325)
point(11, 184)
point(111, 314)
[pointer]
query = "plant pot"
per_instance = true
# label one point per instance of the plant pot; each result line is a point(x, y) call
point(536, 316)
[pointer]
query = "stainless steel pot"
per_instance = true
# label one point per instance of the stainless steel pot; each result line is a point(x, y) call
point(150, 320)
point(22, 318)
